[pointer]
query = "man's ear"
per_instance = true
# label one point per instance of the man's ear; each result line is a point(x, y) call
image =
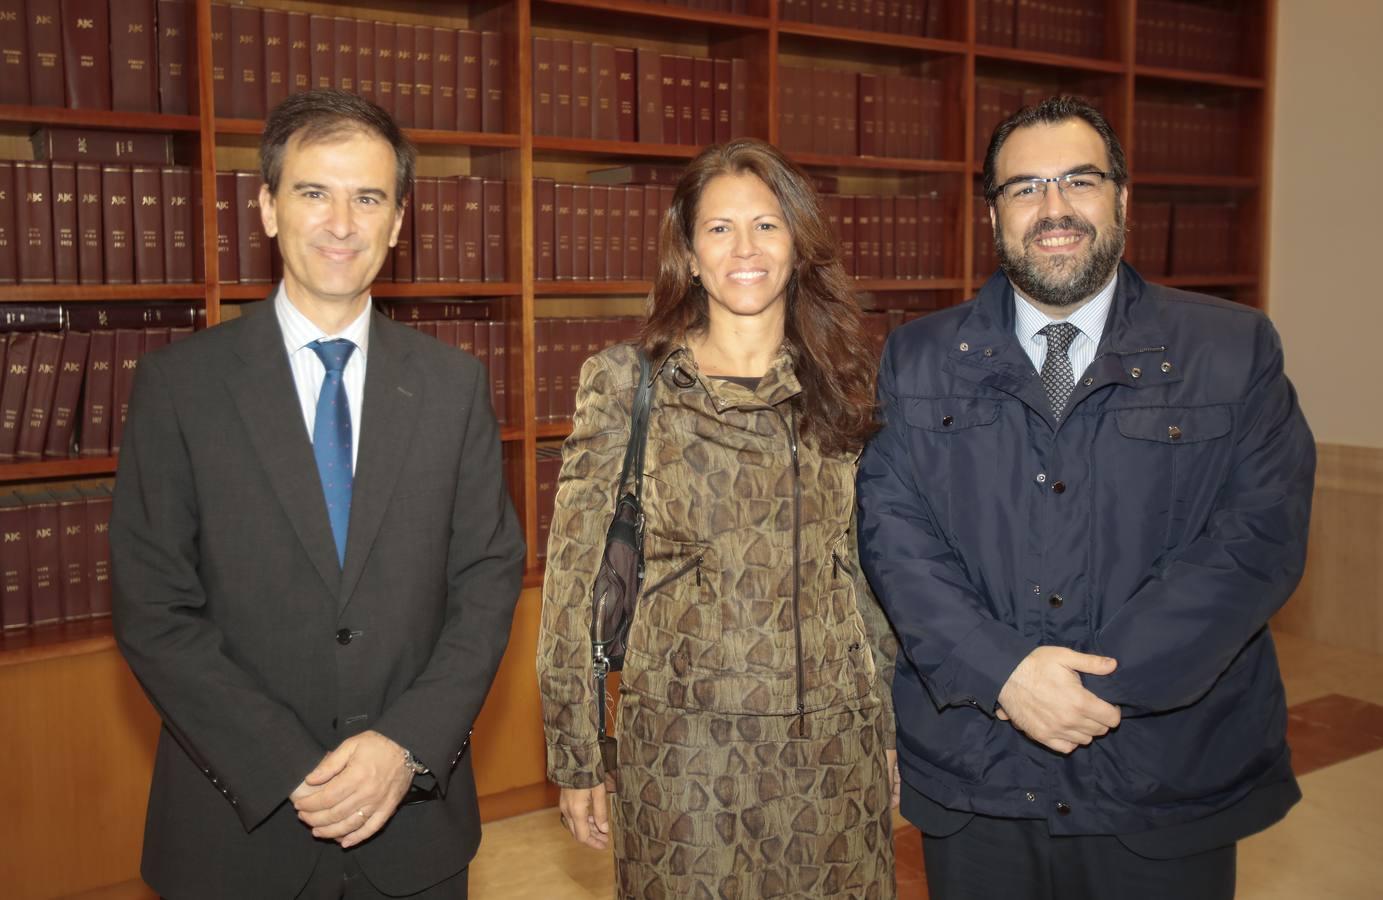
point(268, 216)
point(398, 222)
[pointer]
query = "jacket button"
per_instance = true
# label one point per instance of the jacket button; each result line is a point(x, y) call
point(1166, 367)
point(1059, 487)
point(1032, 798)
point(1087, 381)
point(1063, 809)
point(947, 421)
point(1041, 477)
point(1055, 601)
point(1173, 433)
point(1136, 372)
point(964, 347)
point(344, 636)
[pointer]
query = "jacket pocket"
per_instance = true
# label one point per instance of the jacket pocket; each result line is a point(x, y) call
point(955, 449)
point(678, 613)
point(1175, 425)
point(949, 415)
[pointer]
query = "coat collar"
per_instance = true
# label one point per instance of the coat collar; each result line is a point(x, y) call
point(778, 384)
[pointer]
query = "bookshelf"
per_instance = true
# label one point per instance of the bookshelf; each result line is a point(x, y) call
point(1134, 60)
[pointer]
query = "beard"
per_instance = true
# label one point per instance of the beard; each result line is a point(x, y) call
point(1062, 280)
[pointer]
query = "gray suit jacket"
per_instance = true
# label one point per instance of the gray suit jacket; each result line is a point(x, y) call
point(258, 649)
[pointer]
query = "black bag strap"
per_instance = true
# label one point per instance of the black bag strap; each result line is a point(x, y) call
point(638, 430)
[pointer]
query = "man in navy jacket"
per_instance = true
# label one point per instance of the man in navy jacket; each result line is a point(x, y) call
point(1088, 497)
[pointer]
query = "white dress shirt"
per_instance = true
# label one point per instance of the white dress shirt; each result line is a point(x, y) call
point(307, 367)
point(1090, 319)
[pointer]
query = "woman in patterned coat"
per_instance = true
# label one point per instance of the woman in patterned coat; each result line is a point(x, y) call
point(754, 724)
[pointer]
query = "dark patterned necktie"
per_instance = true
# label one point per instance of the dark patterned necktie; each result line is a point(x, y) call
point(1057, 377)
point(331, 439)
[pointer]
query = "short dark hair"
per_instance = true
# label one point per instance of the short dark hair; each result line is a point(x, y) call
point(325, 115)
point(1054, 111)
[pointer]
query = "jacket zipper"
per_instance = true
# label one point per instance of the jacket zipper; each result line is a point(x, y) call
point(694, 562)
point(791, 421)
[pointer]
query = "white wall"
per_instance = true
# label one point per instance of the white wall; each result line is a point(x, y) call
point(1325, 263)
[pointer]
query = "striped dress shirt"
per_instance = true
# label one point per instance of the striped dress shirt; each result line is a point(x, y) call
point(1090, 319)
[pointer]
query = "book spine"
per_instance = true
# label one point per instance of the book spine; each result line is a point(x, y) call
point(626, 101)
point(544, 228)
point(71, 369)
point(227, 229)
point(499, 370)
point(221, 59)
point(94, 435)
point(46, 83)
point(581, 232)
point(343, 53)
point(75, 597)
point(739, 98)
point(64, 187)
point(321, 41)
point(444, 72)
point(18, 357)
point(9, 257)
point(667, 76)
point(365, 60)
point(426, 226)
point(542, 374)
point(252, 246)
point(246, 63)
point(471, 199)
point(650, 96)
point(493, 197)
point(86, 53)
point(133, 56)
point(599, 232)
point(703, 71)
point(652, 220)
point(604, 94)
point(14, 53)
point(178, 249)
point(685, 69)
point(449, 229)
point(583, 89)
point(129, 346)
point(721, 100)
point(544, 117)
point(92, 145)
point(98, 509)
point(45, 587)
point(564, 228)
point(385, 66)
point(277, 77)
point(14, 565)
point(633, 231)
point(147, 202)
point(492, 80)
point(299, 52)
point(561, 87)
point(422, 76)
point(176, 75)
point(468, 83)
point(34, 221)
point(404, 65)
point(614, 233)
point(403, 247)
point(38, 396)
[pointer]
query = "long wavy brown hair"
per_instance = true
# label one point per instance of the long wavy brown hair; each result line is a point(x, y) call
point(831, 356)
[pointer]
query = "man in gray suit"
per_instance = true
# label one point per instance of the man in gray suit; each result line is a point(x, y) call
point(315, 558)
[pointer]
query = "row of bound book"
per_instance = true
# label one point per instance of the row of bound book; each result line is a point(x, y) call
point(597, 232)
point(890, 236)
point(860, 114)
point(54, 556)
point(996, 101)
point(594, 90)
point(88, 223)
point(487, 341)
point(424, 76)
point(879, 322)
point(124, 55)
point(920, 18)
point(1068, 27)
point(1186, 137)
point(66, 392)
point(1180, 35)
point(560, 347)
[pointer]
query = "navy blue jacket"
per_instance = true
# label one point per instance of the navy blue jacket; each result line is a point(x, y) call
point(1161, 522)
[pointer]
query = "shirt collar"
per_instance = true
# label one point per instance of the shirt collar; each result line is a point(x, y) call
point(299, 330)
point(1090, 318)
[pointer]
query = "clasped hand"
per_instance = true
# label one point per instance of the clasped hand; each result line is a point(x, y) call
point(1045, 699)
point(354, 790)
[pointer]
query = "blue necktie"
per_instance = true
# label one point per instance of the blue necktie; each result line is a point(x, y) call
point(331, 439)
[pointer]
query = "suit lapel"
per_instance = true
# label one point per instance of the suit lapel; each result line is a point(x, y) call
point(389, 417)
point(267, 400)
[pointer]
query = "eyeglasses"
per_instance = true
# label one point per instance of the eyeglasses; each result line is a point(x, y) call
point(1032, 191)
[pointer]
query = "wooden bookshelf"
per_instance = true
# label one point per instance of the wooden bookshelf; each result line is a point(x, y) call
point(769, 42)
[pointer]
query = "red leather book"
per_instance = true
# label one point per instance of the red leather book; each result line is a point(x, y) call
point(480, 336)
point(667, 76)
point(75, 597)
point(868, 104)
point(789, 107)
point(322, 44)
point(835, 112)
point(88, 316)
point(403, 247)
point(426, 228)
point(599, 232)
point(604, 93)
point(544, 86)
point(18, 357)
point(220, 59)
point(685, 70)
point(564, 227)
point(343, 48)
point(14, 53)
point(848, 256)
point(227, 230)
point(582, 90)
point(720, 106)
point(425, 310)
point(86, 53)
point(444, 72)
point(559, 335)
point(278, 79)
point(177, 333)
point(29, 317)
point(147, 202)
point(704, 74)
point(581, 231)
point(98, 507)
point(821, 110)
point(92, 145)
point(38, 395)
point(45, 560)
point(888, 242)
point(830, 207)
point(626, 101)
point(544, 228)
point(468, 83)
point(492, 81)
point(384, 66)
point(365, 60)
point(71, 370)
point(64, 187)
point(499, 369)
point(561, 87)
point(299, 52)
point(178, 249)
point(252, 245)
point(129, 346)
point(177, 76)
point(422, 76)
point(542, 369)
point(404, 64)
point(465, 336)
point(494, 200)
point(89, 235)
point(34, 221)
point(14, 564)
point(134, 56)
point(246, 63)
point(650, 95)
point(905, 236)
point(549, 464)
point(46, 83)
point(614, 232)
point(94, 435)
point(154, 338)
point(739, 98)
point(448, 229)
point(9, 258)
point(652, 221)
point(849, 115)
point(633, 231)
point(471, 231)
